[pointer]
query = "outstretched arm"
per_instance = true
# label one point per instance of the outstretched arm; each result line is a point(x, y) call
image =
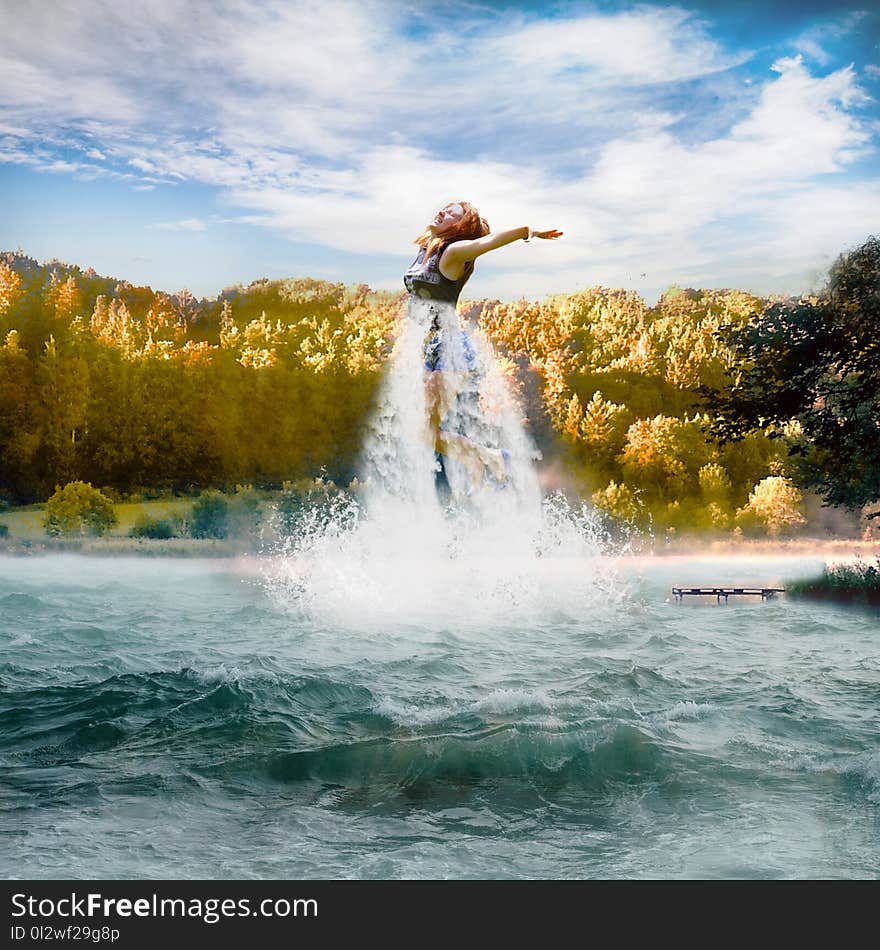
point(462, 251)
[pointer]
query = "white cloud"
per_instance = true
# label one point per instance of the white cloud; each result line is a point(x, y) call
point(646, 45)
point(333, 52)
point(321, 79)
point(60, 167)
point(142, 165)
point(41, 91)
point(186, 224)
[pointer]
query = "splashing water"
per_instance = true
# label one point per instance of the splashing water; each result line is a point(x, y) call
point(451, 526)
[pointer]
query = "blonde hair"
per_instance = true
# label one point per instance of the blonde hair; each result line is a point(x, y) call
point(470, 227)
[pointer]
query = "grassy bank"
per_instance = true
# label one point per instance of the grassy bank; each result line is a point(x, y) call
point(26, 535)
point(26, 524)
point(855, 582)
point(110, 546)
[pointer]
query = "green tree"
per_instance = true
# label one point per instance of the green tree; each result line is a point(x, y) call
point(663, 456)
point(63, 386)
point(19, 421)
point(816, 361)
point(79, 509)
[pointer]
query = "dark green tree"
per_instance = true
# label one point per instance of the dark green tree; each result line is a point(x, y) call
point(809, 371)
point(210, 516)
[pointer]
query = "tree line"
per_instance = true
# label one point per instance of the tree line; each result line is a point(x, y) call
point(712, 409)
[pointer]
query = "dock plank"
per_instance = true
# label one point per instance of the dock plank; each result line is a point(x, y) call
point(765, 593)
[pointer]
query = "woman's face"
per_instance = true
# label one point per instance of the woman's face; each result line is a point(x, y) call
point(447, 218)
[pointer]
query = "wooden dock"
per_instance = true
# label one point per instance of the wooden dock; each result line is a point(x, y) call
point(765, 593)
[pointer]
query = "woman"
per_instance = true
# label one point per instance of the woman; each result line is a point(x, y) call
point(453, 240)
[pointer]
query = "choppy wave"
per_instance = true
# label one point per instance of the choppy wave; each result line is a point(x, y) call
point(25, 603)
point(577, 743)
point(860, 771)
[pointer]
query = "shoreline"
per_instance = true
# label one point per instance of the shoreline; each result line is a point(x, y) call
point(124, 547)
point(842, 549)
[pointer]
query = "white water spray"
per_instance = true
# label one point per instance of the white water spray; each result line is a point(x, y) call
point(468, 539)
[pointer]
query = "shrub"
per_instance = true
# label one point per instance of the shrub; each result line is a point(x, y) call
point(857, 583)
point(245, 513)
point(148, 527)
point(210, 516)
point(78, 509)
point(4, 530)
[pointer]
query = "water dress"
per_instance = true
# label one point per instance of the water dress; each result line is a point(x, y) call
point(445, 425)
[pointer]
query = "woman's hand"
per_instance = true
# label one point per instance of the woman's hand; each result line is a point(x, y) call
point(550, 235)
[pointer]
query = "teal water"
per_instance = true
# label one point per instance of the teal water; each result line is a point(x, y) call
point(177, 719)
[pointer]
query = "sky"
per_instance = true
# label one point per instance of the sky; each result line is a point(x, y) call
point(202, 144)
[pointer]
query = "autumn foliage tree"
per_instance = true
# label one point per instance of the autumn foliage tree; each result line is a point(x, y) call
point(774, 504)
point(116, 385)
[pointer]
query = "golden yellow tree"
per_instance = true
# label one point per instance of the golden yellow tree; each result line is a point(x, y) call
point(774, 503)
point(65, 299)
point(10, 288)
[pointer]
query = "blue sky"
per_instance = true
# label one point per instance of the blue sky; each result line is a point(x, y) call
point(724, 144)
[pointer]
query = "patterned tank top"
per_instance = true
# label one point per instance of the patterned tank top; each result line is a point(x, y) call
point(423, 278)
